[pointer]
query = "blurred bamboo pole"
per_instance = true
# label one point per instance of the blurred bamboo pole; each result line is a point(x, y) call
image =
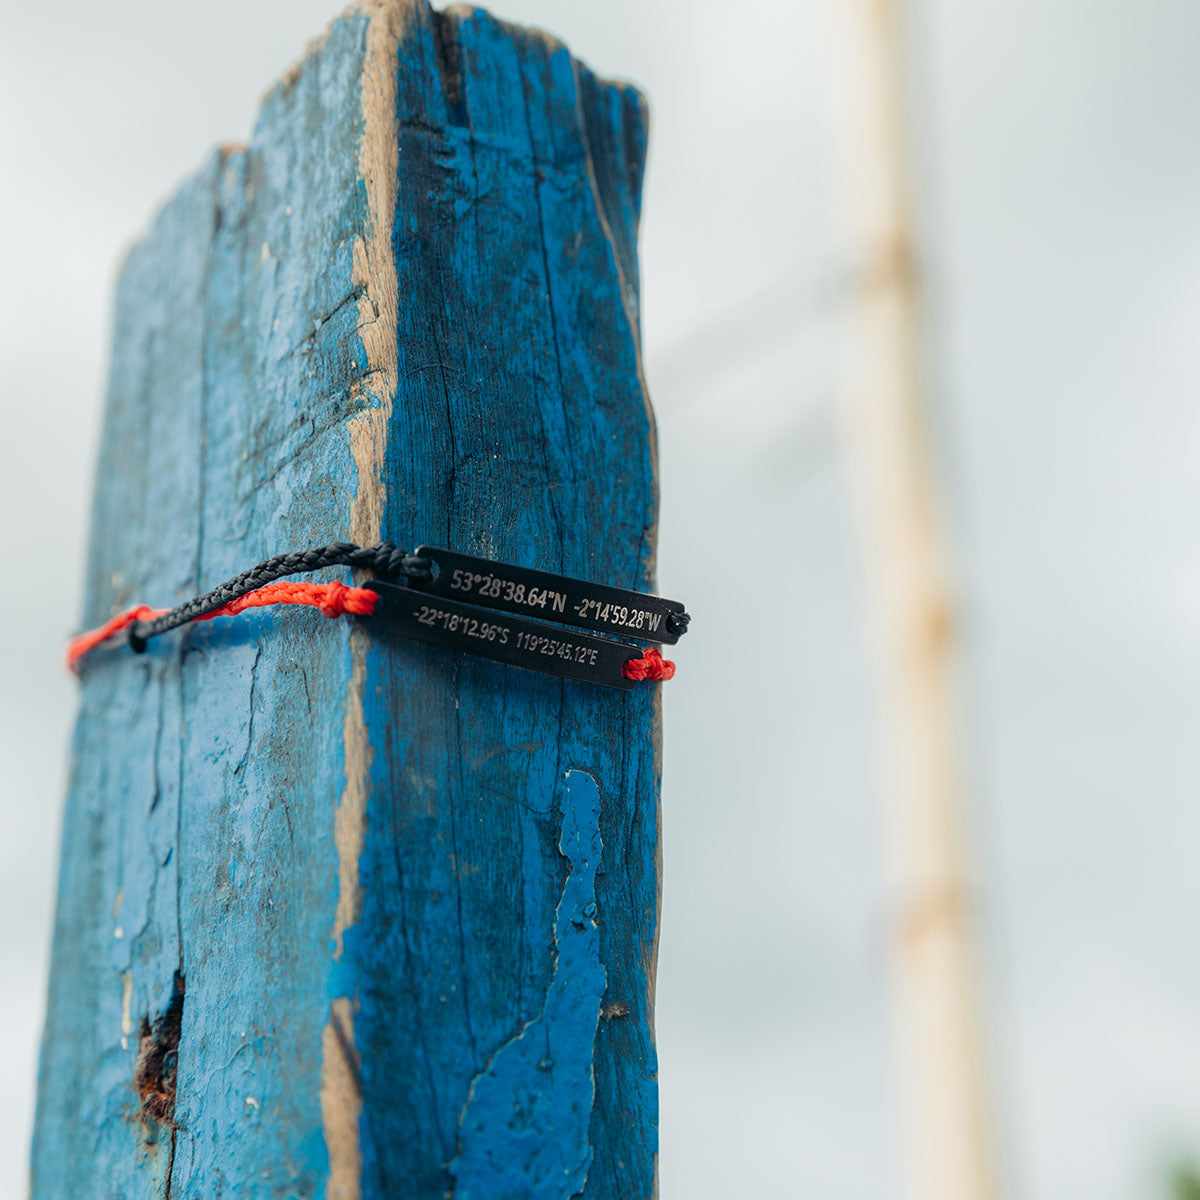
point(948, 1154)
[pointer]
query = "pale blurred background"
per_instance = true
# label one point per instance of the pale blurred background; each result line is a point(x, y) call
point(1057, 173)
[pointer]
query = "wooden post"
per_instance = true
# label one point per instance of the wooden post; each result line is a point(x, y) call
point(340, 916)
point(944, 1094)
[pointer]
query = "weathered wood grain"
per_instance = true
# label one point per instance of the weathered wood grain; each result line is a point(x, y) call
point(408, 897)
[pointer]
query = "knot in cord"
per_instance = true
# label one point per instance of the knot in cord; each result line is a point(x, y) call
point(650, 666)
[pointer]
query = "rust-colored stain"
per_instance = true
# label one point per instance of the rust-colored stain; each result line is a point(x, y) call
point(157, 1061)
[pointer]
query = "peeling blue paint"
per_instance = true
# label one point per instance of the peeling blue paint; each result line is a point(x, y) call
point(524, 1130)
point(199, 829)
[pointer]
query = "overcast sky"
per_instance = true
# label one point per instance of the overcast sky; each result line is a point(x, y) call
point(1059, 180)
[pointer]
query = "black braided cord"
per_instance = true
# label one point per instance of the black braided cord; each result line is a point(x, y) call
point(385, 561)
point(677, 623)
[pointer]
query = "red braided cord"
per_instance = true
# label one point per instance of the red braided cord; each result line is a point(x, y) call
point(333, 599)
point(651, 666)
point(77, 647)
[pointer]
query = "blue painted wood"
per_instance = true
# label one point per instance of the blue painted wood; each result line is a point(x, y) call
point(409, 897)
